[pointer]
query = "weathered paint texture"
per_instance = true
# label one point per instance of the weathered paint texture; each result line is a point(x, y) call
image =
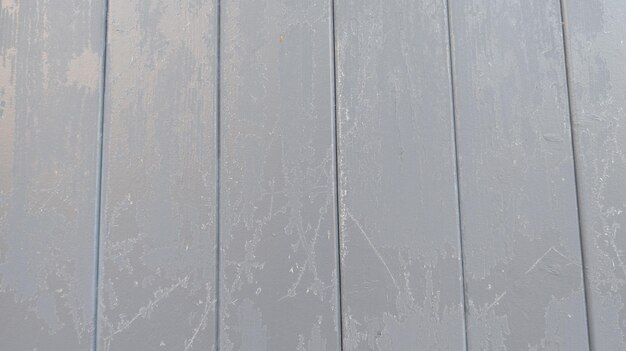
point(157, 254)
point(400, 253)
point(278, 240)
point(521, 246)
point(596, 33)
point(340, 174)
point(50, 64)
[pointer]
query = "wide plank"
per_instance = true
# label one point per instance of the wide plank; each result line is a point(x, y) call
point(157, 254)
point(400, 255)
point(596, 31)
point(278, 261)
point(50, 87)
point(521, 241)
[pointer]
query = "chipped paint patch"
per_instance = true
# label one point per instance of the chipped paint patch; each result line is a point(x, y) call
point(83, 70)
point(10, 6)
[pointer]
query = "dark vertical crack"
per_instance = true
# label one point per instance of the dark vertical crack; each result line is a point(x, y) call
point(457, 170)
point(333, 53)
point(100, 153)
point(218, 137)
point(568, 80)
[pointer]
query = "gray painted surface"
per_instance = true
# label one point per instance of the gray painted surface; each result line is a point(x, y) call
point(266, 201)
point(521, 247)
point(400, 254)
point(278, 239)
point(157, 251)
point(597, 67)
point(49, 89)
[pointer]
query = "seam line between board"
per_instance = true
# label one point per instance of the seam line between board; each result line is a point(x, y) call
point(457, 172)
point(99, 173)
point(218, 143)
point(564, 35)
point(335, 118)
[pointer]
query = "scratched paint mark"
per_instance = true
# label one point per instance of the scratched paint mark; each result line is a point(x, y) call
point(373, 247)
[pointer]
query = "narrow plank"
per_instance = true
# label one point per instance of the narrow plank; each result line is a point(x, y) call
point(596, 31)
point(401, 268)
point(50, 68)
point(518, 198)
point(277, 214)
point(157, 271)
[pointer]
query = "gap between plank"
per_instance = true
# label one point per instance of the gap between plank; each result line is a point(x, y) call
point(100, 152)
point(564, 35)
point(457, 171)
point(218, 143)
point(333, 53)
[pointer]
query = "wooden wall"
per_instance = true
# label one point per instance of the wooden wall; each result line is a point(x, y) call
point(312, 175)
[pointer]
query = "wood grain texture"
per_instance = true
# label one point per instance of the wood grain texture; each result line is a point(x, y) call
point(401, 269)
point(518, 198)
point(157, 251)
point(277, 214)
point(50, 68)
point(596, 33)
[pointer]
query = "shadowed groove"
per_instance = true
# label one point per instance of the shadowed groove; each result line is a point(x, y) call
point(566, 63)
point(457, 170)
point(100, 151)
point(333, 52)
point(218, 96)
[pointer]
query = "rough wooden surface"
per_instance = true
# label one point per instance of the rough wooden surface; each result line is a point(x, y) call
point(520, 230)
point(157, 251)
point(596, 33)
point(50, 64)
point(400, 254)
point(278, 239)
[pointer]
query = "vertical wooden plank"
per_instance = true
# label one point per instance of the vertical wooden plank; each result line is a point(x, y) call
point(596, 32)
point(157, 277)
point(401, 269)
point(277, 217)
point(49, 92)
point(518, 199)
point(50, 64)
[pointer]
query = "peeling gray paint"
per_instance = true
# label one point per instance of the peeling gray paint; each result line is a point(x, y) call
point(520, 230)
point(157, 251)
point(596, 33)
point(49, 89)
